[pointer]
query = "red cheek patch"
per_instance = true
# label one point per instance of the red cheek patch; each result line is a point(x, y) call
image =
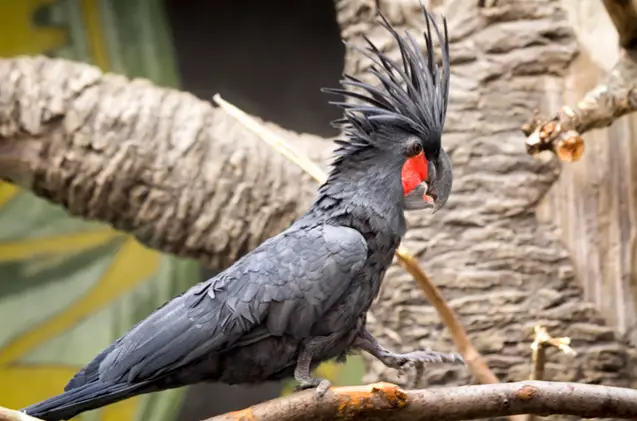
point(414, 172)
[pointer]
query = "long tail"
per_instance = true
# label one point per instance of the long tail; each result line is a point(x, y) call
point(84, 398)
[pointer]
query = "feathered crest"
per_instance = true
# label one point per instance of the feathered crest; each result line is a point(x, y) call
point(412, 96)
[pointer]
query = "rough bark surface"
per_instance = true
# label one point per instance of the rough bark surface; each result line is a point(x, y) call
point(180, 175)
point(500, 269)
point(384, 401)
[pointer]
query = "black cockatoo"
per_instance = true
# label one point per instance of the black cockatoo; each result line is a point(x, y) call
point(301, 297)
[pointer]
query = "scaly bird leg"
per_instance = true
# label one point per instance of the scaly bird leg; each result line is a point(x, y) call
point(303, 368)
point(366, 342)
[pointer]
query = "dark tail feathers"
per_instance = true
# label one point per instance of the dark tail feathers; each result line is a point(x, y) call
point(83, 398)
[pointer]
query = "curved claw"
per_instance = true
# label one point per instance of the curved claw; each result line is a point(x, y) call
point(420, 359)
point(432, 357)
point(321, 385)
point(322, 388)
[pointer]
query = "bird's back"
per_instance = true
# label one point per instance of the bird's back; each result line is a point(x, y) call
point(285, 287)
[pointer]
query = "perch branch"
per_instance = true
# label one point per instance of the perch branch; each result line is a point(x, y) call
point(383, 401)
point(615, 97)
point(475, 361)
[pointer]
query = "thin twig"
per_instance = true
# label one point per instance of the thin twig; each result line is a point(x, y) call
point(383, 401)
point(541, 341)
point(538, 360)
point(476, 363)
point(275, 141)
point(459, 335)
point(12, 415)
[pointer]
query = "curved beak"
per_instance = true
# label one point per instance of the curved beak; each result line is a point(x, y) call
point(432, 194)
point(441, 180)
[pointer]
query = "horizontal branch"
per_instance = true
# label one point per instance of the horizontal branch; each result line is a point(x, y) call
point(181, 175)
point(383, 401)
point(615, 97)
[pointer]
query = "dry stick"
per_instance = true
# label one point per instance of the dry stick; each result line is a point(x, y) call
point(12, 415)
point(538, 357)
point(541, 341)
point(475, 361)
point(384, 401)
point(471, 355)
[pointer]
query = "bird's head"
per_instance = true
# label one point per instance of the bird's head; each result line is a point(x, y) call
point(401, 118)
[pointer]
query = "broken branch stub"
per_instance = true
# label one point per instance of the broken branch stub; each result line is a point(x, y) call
point(555, 136)
point(562, 134)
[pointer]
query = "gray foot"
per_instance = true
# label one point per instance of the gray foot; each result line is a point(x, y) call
point(321, 385)
point(419, 358)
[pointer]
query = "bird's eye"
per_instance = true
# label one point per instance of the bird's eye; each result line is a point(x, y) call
point(413, 148)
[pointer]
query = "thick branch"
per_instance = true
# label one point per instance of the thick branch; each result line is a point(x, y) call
point(384, 401)
point(180, 175)
point(615, 97)
point(623, 13)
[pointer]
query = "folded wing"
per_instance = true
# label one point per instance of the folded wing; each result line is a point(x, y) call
point(281, 288)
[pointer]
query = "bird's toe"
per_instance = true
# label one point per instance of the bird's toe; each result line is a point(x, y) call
point(322, 388)
point(321, 385)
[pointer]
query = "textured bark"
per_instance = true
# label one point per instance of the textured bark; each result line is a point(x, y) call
point(180, 175)
point(383, 401)
point(501, 270)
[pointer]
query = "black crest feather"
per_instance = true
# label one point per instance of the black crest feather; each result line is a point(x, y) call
point(411, 96)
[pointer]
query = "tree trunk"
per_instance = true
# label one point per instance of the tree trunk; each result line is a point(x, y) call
point(594, 200)
point(180, 175)
point(501, 269)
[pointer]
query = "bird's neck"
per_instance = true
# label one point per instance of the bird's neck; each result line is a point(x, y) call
point(364, 198)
